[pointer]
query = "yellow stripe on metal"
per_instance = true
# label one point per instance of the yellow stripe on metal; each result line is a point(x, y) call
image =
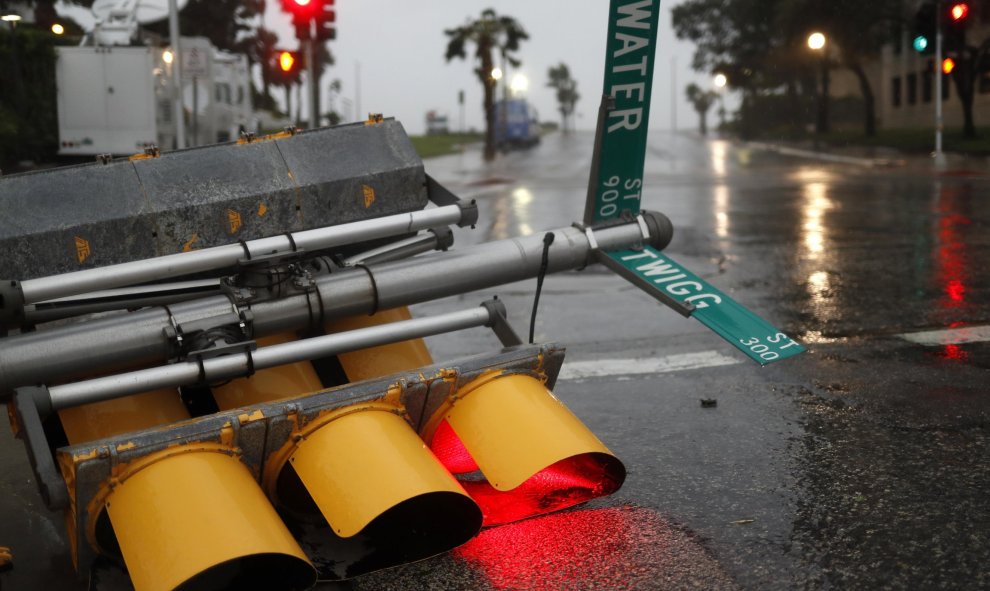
point(363, 463)
point(267, 385)
point(187, 513)
point(380, 361)
point(122, 415)
point(514, 427)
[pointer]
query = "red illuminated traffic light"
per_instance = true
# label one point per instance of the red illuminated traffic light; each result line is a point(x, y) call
point(958, 12)
point(948, 65)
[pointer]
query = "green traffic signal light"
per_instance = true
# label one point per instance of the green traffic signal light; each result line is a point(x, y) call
point(920, 43)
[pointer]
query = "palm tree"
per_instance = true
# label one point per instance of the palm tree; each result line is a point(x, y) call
point(567, 94)
point(701, 100)
point(489, 33)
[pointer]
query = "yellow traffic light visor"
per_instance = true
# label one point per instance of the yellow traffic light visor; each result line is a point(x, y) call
point(194, 518)
point(535, 455)
point(385, 497)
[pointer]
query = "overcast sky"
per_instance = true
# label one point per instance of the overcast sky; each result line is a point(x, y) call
point(398, 47)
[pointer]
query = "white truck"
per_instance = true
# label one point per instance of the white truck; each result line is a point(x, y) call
point(116, 98)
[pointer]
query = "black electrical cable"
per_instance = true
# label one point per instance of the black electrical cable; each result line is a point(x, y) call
point(547, 241)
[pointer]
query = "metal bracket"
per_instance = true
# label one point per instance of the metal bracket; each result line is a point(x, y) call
point(11, 304)
point(51, 485)
point(440, 195)
point(500, 323)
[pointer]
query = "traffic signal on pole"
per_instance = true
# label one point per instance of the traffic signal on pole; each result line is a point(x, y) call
point(286, 61)
point(518, 451)
point(923, 32)
point(326, 18)
point(301, 9)
point(958, 12)
point(286, 65)
point(956, 18)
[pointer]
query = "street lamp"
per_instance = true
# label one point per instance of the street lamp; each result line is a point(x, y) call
point(496, 73)
point(720, 81)
point(10, 18)
point(817, 42)
point(519, 84)
point(58, 29)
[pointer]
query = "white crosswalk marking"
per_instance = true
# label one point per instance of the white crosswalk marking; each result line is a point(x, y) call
point(580, 370)
point(949, 336)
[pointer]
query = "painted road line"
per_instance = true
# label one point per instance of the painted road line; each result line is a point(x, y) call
point(579, 370)
point(949, 336)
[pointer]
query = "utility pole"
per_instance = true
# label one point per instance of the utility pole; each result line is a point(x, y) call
point(939, 122)
point(314, 91)
point(177, 115)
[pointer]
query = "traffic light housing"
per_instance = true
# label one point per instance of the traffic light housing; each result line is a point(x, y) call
point(533, 455)
point(307, 12)
point(326, 19)
point(286, 65)
point(184, 516)
point(287, 61)
point(958, 12)
point(923, 32)
point(388, 500)
point(956, 19)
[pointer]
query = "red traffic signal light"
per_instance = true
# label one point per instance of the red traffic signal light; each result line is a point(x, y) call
point(958, 12)
point(301, 9)
point(948, 65)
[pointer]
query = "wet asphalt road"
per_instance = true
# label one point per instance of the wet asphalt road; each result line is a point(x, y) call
point(863, 464)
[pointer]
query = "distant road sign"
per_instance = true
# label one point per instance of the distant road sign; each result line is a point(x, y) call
point(194, 63)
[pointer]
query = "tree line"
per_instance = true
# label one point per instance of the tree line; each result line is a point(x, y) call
point(760, 45)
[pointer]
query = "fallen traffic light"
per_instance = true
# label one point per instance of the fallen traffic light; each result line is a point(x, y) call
point(533, 454)
point(388, 501)
point(189, 516)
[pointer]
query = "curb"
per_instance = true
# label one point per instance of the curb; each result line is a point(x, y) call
point(827, 157)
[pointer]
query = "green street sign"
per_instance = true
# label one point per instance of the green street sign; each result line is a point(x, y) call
point(617, 173)
point(616, 183)
point(663, 278)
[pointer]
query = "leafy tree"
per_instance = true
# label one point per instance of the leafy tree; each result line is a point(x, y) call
point(856, 33)
point(488, 34)
point(221, 21)
point(760, 44)
point(971, 62)
point(259, 49)
point(567, 94)
point(701, 100)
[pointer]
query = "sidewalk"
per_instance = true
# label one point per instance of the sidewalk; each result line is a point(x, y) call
point(879, 157)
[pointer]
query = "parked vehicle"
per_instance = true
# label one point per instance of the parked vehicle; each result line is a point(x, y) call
point(516, 124)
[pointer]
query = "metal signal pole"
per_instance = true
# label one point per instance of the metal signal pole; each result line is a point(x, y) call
point(939, 156)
